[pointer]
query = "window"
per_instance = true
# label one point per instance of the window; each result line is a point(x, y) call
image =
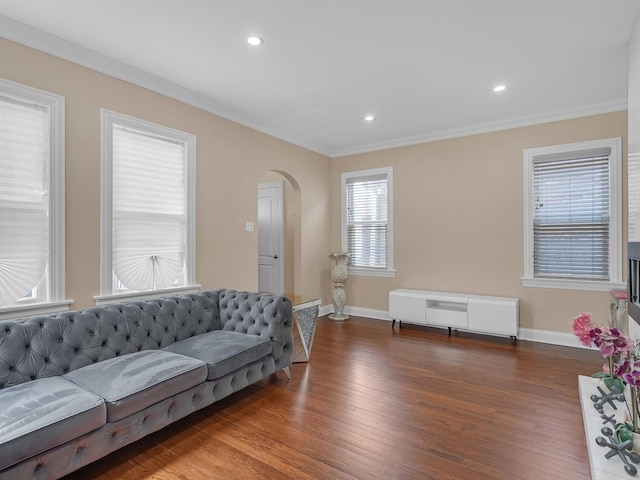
point(367, 226)
point(573, 216)
point(148, 209)
point(31, 201)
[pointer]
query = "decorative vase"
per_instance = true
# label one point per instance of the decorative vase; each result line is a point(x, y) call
point(339, 274)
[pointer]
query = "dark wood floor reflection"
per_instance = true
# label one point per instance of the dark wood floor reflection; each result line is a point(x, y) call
point(377, 403)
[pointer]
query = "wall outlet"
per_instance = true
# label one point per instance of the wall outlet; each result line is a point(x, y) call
point(249, 227)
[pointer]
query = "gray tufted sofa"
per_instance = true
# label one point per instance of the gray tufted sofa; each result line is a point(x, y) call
point(78, 385)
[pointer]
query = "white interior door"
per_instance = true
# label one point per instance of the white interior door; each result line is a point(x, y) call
point(271, 237)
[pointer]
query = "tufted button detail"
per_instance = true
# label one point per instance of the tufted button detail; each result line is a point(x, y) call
point(11, 369)
point(75, 350)
point(104, 343)
point(60, 340)
point(7, 330)
point(46, 360)
point(92, 334)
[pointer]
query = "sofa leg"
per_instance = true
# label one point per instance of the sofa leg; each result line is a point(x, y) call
point(287, 372)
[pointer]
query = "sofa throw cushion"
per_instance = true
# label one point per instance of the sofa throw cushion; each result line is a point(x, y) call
point(222, 351)
point(44, 413)
point(132, 382)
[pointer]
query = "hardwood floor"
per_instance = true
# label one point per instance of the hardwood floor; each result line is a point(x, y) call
point(377, 403)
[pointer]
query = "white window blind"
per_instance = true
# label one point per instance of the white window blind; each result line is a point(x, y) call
point(24, 197)
point(571, 220)
point(149, 210)
point(367, 221)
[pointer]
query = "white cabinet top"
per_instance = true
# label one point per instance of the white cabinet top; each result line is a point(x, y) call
point(448, 296)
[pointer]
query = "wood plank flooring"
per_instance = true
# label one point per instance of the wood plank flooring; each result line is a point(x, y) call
point(377, 403)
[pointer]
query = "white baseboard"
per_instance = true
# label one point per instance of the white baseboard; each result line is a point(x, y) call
point(325, 310)
point(531, 334)
point(551, 337)
point(367, 312)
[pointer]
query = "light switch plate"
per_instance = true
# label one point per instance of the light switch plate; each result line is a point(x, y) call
point(249, 227)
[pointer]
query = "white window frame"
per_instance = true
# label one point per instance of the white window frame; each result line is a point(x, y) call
point(108, 291)
point(345, 177)
point(615, 226)
point(50, 292)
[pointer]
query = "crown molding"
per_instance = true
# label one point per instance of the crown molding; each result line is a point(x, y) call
point(44, 42)
point(20, 33)
point(616, 105)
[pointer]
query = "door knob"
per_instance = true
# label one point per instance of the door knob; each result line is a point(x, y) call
point(275, 256)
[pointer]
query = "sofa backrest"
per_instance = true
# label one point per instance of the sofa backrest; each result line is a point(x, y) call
point(45, 346)
point(269, 316)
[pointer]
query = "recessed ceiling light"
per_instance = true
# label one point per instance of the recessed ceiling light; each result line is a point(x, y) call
point(500, 88)
point(255, 41)
point(369, 118)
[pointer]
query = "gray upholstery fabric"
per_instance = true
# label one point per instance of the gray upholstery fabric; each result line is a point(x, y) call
point(269, 316)
point(38, 415)
point(223, 352)
point(129, 383)
point(43, 348)
point(79, 452)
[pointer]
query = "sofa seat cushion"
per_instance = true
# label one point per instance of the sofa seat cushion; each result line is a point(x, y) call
point(130, 383)
point(223, 351)
point(44, 413)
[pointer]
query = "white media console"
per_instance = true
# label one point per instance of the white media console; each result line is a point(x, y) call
point(476, 313)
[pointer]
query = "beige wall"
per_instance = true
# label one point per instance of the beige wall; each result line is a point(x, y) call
point(458, 219)
point(458, 203)
point(231, 160)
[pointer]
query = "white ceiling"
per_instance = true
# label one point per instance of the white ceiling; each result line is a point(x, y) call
point(424, 68)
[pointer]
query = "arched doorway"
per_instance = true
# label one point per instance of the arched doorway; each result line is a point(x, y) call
point(291, 226)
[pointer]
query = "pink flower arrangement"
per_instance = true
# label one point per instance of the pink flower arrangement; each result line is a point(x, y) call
point(608, 340)
point(629, 370)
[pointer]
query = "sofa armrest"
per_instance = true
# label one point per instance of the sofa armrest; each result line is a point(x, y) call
point(269, 316)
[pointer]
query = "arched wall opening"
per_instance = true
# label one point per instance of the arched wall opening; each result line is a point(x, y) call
point(292, 229)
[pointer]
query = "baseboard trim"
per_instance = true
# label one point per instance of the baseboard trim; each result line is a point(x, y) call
point(325, 310)
point(530, 334)
point(550, 337)
point(367, 312)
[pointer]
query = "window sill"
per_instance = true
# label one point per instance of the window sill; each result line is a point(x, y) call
point(372, 272)
point(573, 284)
point(102, 300)
point(31, 309)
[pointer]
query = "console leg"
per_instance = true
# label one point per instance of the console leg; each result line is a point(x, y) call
point(513, 339)
point(393, 323)
point(287, 372)
point(449, 331)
